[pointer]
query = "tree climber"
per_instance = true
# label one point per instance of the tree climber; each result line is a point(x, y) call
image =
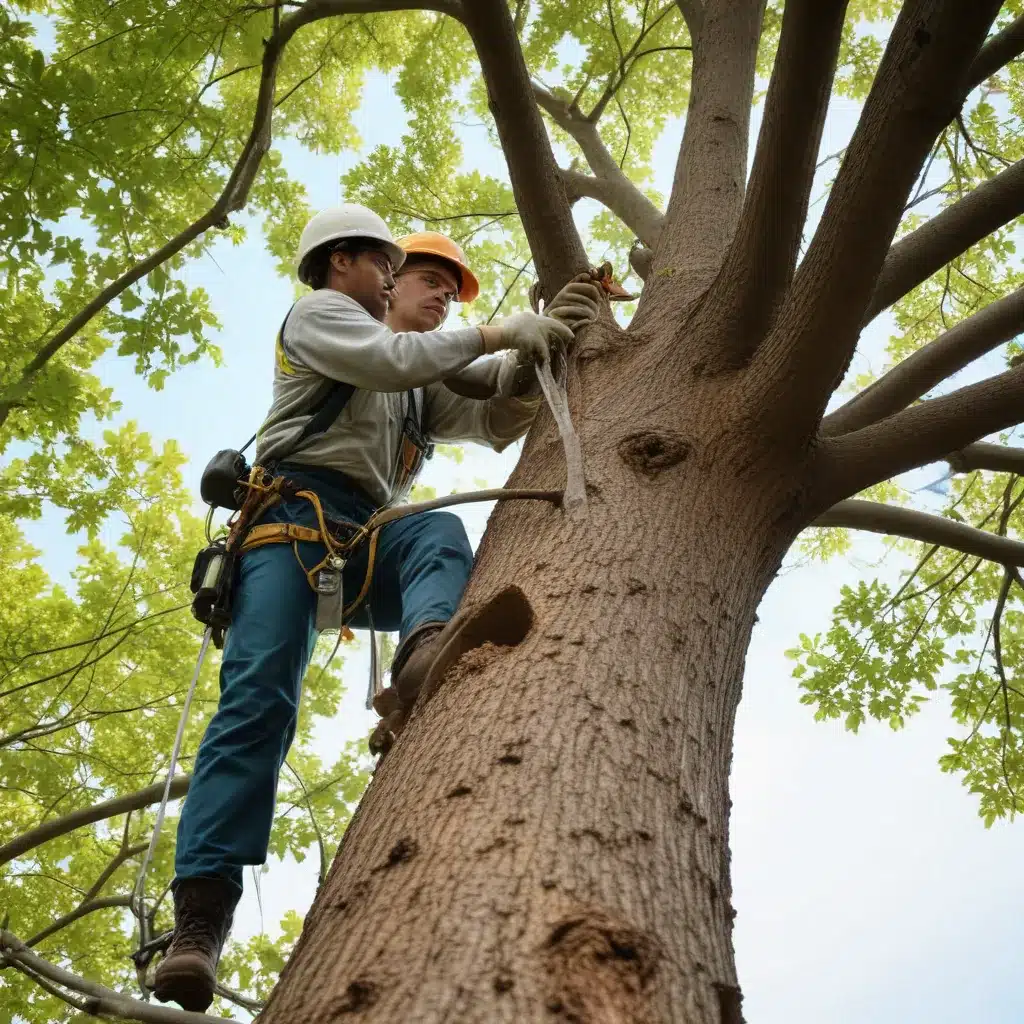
point(391, 402)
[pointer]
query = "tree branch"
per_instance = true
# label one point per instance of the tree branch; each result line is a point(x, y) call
point(1003, 47)
point(983, 455)
point(82, 910)
point(88, 815)
point(914, 97)
point(875, 517)
point(947, 235)
point(122, 855)
point(928, 366)
point(547, 218)
point(759, 265)
point(922, 434)
point(693, 14)
point(631, 206)
point(711, 170)
point(236, 190)
point(99, 1000)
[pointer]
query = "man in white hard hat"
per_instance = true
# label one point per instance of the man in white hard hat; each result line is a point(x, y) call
point(353, 408)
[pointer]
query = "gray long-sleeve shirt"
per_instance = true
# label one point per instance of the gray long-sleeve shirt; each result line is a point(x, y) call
point(329, 335)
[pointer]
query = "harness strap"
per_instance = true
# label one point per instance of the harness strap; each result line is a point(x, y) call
point(277, 533)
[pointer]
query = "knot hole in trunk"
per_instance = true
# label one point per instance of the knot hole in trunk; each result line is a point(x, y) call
point(653, 451)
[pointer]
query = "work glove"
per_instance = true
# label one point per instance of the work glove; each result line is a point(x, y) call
point(529, 335)
point(577, 304)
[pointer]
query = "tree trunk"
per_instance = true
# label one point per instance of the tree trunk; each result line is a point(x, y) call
point(549, 838)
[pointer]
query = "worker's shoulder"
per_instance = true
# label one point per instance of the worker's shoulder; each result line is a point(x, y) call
point(326, 303)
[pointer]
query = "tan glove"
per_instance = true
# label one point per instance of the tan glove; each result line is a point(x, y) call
point(528, 334)
point(577, 304)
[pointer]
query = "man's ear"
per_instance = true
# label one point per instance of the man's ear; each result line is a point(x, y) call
point(341, 261)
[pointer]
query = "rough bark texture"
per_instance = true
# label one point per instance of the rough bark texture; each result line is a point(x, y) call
point(549, 835)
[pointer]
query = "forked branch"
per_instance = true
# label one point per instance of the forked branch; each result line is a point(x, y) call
point(924, 433)
point(235, 193)
point(760, 262)
point(930, 365)
point(609, 185)
point(90, 997)
point(1003, 47)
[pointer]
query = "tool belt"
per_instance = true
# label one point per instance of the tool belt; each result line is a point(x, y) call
point(215, 570)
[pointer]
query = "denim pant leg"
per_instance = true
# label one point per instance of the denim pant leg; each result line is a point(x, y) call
point(225, 823)
point(423, 566)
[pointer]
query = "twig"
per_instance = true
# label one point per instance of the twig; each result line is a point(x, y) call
point(98, 812)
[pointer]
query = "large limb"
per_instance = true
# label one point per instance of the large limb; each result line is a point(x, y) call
point(947, 235)
point(997, 52)
point(924, 433)
point(759, 265)
point(711, 170)
point(89, 997)
point(914, 96)
point(235, 193)
point(998, 458)
point(540, 195)
point(891, 520)
point(928, 366)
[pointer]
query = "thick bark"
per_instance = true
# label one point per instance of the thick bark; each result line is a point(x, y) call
point(548, 839)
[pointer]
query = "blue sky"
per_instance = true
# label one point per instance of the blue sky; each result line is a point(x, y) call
point(866, 888)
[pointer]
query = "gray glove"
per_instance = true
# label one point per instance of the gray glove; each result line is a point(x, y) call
point(577, 304)
point(530, 335)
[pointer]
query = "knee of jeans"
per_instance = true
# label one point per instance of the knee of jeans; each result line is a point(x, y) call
point(451, 531)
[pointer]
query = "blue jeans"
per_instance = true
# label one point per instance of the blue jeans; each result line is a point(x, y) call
point(421, 571)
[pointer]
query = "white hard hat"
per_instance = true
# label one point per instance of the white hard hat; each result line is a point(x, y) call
point(350, 220)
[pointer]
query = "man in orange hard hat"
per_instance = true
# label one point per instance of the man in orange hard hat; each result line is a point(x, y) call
point(492, 401)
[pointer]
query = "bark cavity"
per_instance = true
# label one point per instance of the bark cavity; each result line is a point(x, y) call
point(651, 452)
point(600, 970)
point(503, 620)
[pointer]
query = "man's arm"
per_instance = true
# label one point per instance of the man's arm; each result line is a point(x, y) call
point(334, 336)
point(495, 422)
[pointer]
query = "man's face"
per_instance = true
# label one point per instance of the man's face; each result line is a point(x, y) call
point(423, 295)
point(366, 277)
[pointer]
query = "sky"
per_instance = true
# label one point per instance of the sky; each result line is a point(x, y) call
point(867, 889)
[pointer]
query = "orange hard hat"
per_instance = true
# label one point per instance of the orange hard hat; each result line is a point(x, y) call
point(433, 243)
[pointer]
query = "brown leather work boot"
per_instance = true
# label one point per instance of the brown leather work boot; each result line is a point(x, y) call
point(203, 909)
point(415, 655)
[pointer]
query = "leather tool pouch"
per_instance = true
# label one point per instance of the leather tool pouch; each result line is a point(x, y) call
point(220, 482)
